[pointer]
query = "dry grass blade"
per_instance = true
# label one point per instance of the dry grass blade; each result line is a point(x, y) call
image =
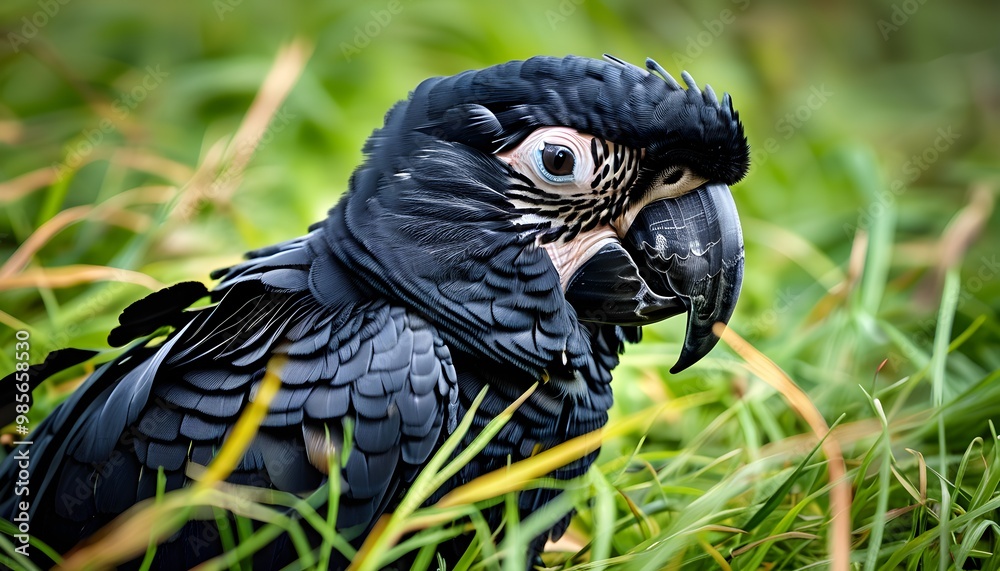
point(111, 211)
point(712, 552)
point(27, 183)
point(11, 131)
point(13, 322)
point(847, 434)
point(840, 492)
point(144, 161)
point(519, 474)
point(69, 276)
point(285, 72)
point(246, 427)
point(961, 233)
point(221, 172)
point(148, 194)
point(779, 537)
point(801, 251)
point(922, 471)
point(22, 256)
point(441, 467)
point(839, 292)
point(129, 534)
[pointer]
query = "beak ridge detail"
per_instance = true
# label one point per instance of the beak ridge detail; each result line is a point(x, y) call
point(693, 245)
point(681, 254)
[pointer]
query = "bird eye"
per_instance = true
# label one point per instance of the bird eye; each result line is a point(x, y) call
point(556, 162)
point(673, 176)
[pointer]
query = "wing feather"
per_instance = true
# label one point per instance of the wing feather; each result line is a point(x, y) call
point(172, 402)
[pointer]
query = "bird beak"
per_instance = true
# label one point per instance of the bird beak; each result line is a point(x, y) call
point(682, 254)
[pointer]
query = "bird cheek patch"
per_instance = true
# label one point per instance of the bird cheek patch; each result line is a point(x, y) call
point(668, 186)
point(616, 167)
point(568, 257)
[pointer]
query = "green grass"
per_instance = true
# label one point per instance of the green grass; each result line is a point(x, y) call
point(871, 276)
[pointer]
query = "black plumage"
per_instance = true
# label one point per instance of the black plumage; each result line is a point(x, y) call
point(429, 280)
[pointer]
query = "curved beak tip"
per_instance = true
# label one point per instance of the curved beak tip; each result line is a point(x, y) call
point(696, 346)
point(695, 244)
point(680, 254)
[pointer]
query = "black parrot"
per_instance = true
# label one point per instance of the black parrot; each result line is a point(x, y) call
point(511, 225)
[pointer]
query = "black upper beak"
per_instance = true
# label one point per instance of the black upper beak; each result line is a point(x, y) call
point(680, 254)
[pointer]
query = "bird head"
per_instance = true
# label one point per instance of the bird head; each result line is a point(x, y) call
point(513, 203)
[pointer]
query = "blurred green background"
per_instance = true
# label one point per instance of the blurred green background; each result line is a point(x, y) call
point(857, 113)
point(874, 128)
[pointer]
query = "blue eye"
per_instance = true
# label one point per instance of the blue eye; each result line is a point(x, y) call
point(555, 163)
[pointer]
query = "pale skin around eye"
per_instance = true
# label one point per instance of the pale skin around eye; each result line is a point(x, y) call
point(568, 256)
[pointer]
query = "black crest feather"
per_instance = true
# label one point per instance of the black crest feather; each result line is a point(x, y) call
point(495, 108)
